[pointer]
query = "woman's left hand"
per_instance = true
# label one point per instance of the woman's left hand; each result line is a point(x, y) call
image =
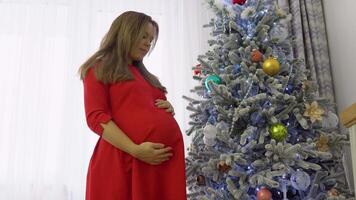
point(165, 105)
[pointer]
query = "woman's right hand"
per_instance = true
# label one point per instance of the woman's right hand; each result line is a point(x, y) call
point(152, 153)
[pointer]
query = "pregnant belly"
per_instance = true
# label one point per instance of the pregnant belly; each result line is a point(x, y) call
point(154, 125)
point(165, 129)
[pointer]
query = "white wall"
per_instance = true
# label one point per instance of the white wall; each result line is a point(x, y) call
point(341, 28)
point(197, 44)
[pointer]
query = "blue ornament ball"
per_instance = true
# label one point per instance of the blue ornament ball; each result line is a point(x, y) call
point(212, 78)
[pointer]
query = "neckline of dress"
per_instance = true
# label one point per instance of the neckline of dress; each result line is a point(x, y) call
point(133, 66)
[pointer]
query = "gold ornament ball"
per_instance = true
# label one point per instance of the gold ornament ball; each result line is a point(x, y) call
point(278, 132)
point(271, 66)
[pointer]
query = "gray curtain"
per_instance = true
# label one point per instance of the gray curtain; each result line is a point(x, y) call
point(308, 27)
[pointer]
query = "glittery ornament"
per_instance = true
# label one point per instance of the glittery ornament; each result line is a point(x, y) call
point(322, 143)
point(223, 167)
point(333, 192)
point(271, 66)
point(313, 111)
point(212, 78)
point(201, 180)
point(300, 180)
point(256, 56)
point(278, 132)
point(240, 2)
point(264, 194)
point(331, 120)
point(210, 132)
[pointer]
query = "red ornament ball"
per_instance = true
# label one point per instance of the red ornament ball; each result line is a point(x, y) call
point(240, 2)
point(264, 194)
point(197, 70)
point(256, 56)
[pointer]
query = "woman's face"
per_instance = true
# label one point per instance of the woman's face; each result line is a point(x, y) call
point(143, 45)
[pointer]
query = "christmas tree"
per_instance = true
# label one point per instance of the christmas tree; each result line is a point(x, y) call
point(258, 129)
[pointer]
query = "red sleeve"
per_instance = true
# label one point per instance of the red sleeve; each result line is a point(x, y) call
point(159, 94)
point(96, 102)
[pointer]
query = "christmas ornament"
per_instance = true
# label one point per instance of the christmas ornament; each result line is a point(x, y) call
point(264, 194)
point(197, 70)
point(313, 111)
point(210, 132)
point(240, 2)
point(300, 180)
point(271, 66)
point(213, 78)
point(333, 192)
point(322, 143)
point(222, 126)
point(331, 120)
point(256, 56)
point(201, 180)
point(223, 167)
point(278, 132)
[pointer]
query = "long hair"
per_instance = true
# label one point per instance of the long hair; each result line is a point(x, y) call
point(115, 48)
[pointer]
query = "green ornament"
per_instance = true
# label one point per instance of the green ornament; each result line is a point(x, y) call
point(278, 132)
point(213, 78)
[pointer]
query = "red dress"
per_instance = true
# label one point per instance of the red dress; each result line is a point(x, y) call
point(114, 174)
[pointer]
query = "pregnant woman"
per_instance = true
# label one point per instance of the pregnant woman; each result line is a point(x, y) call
point(140, 152)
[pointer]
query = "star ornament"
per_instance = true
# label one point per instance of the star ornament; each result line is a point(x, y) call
point(313, 111)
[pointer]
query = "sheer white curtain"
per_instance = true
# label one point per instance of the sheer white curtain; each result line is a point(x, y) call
point(45, 145)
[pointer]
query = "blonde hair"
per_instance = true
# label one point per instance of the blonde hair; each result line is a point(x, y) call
point(114, 50)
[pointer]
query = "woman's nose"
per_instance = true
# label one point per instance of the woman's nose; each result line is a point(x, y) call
point(147, 43)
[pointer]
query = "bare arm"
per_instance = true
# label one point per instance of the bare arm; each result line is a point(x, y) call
point(115, 136)
point(151, 153)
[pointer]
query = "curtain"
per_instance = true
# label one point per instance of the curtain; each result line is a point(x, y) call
point(45, 144)
point(312, 44)
point(311, 47)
